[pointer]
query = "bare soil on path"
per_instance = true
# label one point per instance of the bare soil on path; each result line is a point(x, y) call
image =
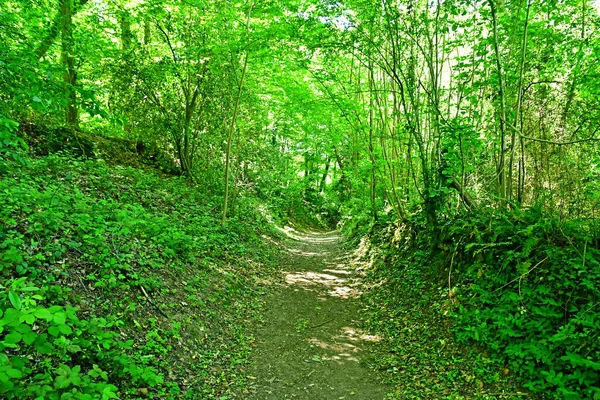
point(309, 346)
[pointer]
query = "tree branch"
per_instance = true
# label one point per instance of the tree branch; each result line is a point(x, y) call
point(590, 139)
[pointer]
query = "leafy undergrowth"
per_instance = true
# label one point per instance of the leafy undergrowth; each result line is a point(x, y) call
point(528, 289)
point(120, 283)
point(419, 356)
point(485, 305)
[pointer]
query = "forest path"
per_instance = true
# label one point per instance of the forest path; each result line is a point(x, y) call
point(309, 346)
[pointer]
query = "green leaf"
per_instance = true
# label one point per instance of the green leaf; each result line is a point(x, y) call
point(22, 328)
point(29, 338)
point(10, 315)
point(62, 382)
point(13, 338)
point(44, 348)
point(43, 313)
point(65, 329)
point(60, 318)
point(73, 348)
point(14, 373)
point(15, 300)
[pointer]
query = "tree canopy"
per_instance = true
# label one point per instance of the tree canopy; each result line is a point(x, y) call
point(402, 105)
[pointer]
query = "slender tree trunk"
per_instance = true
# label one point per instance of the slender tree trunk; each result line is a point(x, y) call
point(68, 60)
point(373, 181)
point(518, 121)
point(233, 122)
point(502, 118)
point(126, 34)
point(147, 32)
point(306, 166)
point(55, 29)
point(571, 91)
point(190, 109)
point(324, 177)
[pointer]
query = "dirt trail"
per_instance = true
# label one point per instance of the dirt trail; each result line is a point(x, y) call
point(309, 346)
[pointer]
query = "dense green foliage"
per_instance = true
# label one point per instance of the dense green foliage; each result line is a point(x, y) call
point(468, 130)
point(528, 288)
point(409, 307)
point(119, 280)
point(523, 286)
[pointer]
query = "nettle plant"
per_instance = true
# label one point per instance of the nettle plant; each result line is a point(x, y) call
point(37, 345)
point(49, 353)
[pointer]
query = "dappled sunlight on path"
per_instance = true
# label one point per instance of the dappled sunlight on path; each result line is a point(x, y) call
point(335, 286)
point(310, 346)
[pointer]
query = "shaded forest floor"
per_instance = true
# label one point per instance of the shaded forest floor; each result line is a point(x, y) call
point(310, 345)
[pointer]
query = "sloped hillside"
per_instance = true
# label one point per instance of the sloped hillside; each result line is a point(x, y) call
point(121, 283)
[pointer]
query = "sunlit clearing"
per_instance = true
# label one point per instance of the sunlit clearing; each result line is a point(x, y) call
point(304, 253)
point(344, 292)
point(313, 278)
point(338, 271)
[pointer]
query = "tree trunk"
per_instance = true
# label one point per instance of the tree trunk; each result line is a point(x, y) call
point(373, 180)
point(502, 186)
point(324, 177)
point(126, 34)
point(55, 29)
point(518, 122)
point(147, 32)
point(232, 124)
point(68, 60)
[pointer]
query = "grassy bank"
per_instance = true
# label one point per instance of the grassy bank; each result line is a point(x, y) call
point(487, 306)
point(121, 283)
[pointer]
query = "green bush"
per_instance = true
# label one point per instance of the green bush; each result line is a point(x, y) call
point(525, 290)
point(529, 290)
point(11, 145)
